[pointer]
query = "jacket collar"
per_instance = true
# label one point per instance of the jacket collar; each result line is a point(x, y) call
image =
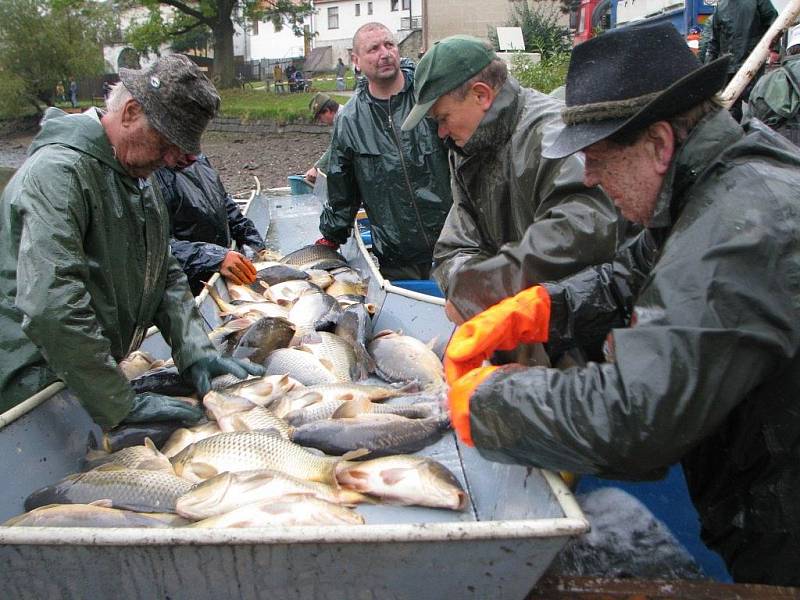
point(498, 123)
point(710, 138)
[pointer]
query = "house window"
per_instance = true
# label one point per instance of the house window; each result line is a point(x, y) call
point(333, 18)
point(358, 10)
point(369, 8)
point(406, 4)
point(394, 4)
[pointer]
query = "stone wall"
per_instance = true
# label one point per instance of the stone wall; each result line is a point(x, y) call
point(261, 127)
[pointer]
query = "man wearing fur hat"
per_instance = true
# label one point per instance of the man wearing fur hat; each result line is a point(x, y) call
point(85, 266)
point(517, 218)
point(702, 347)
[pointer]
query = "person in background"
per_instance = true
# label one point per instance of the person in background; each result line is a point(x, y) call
point(277, 77)
point(204, 220)
point(60, 94)
point(702, 347)
point(517, 218)
point(73, 92)
point(775, 98)
point(737, 26)
point(324, 110)
point(402, 177)
point(85, 267)
point(340, 71)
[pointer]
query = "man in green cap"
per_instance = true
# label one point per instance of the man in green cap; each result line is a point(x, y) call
point(324, 110)
point(517, 218)
point(85, 266)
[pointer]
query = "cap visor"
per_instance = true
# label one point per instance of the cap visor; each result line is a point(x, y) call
point(417, 114)
point(573, 138)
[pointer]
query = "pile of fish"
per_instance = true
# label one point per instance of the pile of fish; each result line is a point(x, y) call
point(331, 425)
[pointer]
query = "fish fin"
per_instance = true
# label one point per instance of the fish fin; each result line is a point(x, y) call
point(203, 470)
point(432, 342)
point(393, 476)
point(352, 408)
point(110, 467)
point(354, 454)
point(382, 333)
point(364, 365)
point(150, 445)
point(103, 503)
point(328, 364)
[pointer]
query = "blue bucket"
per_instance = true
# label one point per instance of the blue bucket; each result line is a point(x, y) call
point(299, 185)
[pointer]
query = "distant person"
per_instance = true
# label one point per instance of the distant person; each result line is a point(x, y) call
point(290, 70)
point(106, 89)
point(204, 220)
point(60, 94)
point(737, 27)
point(73, 93)
point(401, 177)
point(301, 84)
point(356, 76)
point(277, 76)
point(775, 98)
point(324, 110)
point(340, 71)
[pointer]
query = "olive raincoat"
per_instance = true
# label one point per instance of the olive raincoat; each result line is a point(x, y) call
point(775, 99)
point(709, 371)
point(85, 269)
point(204, 220)
point(737, 27)
point(517, 218)
point(402, 177)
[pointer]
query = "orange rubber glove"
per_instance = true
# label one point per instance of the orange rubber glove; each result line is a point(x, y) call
point(237, 269)
point(458, 400)
point(520, 319)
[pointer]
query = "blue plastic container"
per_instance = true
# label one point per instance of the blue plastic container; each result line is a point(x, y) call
point(299, 185)
point(423, 286)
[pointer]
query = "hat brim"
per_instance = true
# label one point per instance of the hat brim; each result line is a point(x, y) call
point(688, 91)
point(417, 114)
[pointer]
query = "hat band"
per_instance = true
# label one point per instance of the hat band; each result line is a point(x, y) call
point(605, 111)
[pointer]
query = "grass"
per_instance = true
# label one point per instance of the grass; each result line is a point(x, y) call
point(252, 104)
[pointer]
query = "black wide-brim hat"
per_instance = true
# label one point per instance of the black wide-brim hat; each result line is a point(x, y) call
point(627, 78)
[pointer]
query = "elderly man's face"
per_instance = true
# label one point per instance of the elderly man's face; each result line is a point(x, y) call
point(142, 149)
point(457, 118)
point(628, 174)
point(377, 55)
point(326, 116)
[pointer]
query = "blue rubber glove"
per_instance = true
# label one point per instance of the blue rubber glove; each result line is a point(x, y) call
point(204, 370)
point(149, 407)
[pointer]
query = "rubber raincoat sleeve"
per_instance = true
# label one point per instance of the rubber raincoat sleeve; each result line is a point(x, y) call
point(324, 160)
point(198, 260)
point(344, 196)
point(242, 229)
point(52, 272)
point(573, 227)
point(715, 319)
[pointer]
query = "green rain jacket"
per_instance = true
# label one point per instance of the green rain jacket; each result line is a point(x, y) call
point(737, 27)
point(85, 269)
point(401, 177)
point(517, 218)
point(708, 372)
point(775, 99)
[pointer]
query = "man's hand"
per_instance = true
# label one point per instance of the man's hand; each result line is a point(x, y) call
point(323, 241)
point(520, 319)
point(311, 175)
point(237, 269)
point(204, 370)
point(149, 407)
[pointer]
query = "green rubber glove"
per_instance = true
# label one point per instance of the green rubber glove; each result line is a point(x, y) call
point(148, 407)
point(204, 370)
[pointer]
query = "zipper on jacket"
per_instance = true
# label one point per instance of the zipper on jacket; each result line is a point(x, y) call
point(405, 175)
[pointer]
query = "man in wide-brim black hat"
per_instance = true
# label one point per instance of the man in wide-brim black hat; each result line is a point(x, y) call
point(701, 316)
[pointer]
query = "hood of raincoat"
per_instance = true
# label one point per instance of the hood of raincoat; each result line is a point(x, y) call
point(401, 177)
point(84, 271)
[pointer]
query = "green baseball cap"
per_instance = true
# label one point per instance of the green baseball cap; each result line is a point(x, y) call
point(318, 103)
point(447, 65)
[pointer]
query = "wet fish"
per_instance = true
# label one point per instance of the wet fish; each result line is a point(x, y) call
point(276, 272)
point(300, 365)
point(335, 350)
point(381, 434)
point(402, 358)
point(320, 278)
point(184, 436)
point(314, 311)
point(289, 291)
point(314, 255)
point(247, 293)
point(145, 457)
point(225, 336)
point(262, 337)
point(419, 410)
point(247, 309)
point(138, 363)
point(294, 510)
point(256, 419)
point(259, 390)
point(96, 514)
point(349, 275)
point(355, 326)
point(132, 489)
point(135, 434)
point(347, 288)
point(405, 480)
point(220, 404)
point(326, 392)
point(163, 380)
point(229, 491)
point(252, 450)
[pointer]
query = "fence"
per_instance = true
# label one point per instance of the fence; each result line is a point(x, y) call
point(261, 70)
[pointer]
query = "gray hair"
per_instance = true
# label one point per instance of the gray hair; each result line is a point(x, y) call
point(494, 75)
point(117, 97)
point(372, 26)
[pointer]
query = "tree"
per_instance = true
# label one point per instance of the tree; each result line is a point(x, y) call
point(569, 6)
point(540, 29)
point(46, 41)
point(219, 17)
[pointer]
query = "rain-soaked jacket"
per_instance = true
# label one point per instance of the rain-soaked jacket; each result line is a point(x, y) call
point(775, 99)
point(737, 27)
point(203, 220)
point(517, 218)
point(85, 269)
point(402, 177)
point(709, 371)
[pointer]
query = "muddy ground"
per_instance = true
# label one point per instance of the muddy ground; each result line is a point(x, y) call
point(238, 157)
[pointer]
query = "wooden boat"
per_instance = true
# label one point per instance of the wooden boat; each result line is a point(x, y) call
point(517, 521)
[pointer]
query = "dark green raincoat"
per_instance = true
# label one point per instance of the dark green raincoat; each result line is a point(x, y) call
point(85, 269)
point(775, 99)
point(737, 27)
point(517, 218)
point(402, 177)
point(709, 371)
